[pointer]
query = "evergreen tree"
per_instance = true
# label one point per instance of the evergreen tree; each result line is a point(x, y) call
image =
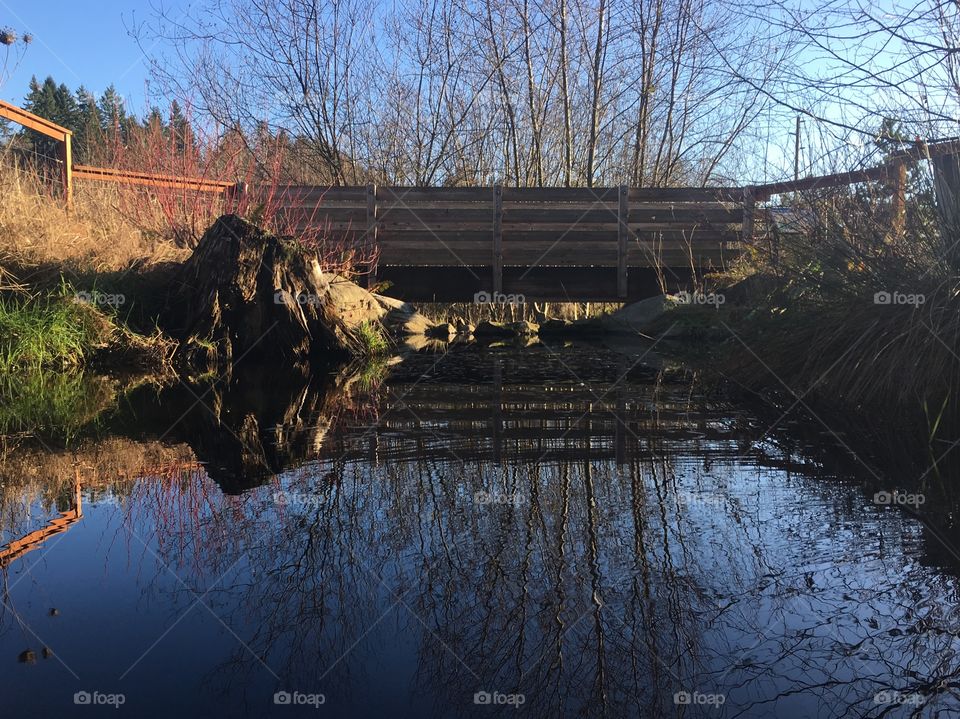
point(154, 119)
point(52, 102)
point(180, 128)
point(113, 114)
point(88, 134)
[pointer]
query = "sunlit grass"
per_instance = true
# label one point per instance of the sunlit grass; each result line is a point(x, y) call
point(46, 332)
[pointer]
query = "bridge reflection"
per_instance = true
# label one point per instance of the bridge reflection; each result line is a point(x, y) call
point(28, 542)
point(479, 407)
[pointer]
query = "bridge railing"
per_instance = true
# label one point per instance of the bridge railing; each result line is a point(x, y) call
point(496, 227)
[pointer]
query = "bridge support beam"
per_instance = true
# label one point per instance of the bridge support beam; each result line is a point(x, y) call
point(498, 238)
point(623, 234)
point(370, 241)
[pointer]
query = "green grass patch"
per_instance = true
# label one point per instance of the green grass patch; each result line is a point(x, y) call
point(48, 332)
point(51, 404)
point(371, 338)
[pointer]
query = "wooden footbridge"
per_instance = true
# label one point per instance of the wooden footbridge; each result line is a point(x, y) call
point(450, 243)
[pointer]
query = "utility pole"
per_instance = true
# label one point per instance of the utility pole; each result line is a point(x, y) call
point(796, 150)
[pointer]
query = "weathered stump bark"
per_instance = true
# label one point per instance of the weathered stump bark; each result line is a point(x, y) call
point(245, 291)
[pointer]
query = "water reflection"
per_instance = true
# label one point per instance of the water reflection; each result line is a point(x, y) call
point(524, 530)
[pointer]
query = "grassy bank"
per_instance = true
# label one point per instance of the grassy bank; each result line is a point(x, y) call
point(66, 329)
point(76, 285)
point(855, 320)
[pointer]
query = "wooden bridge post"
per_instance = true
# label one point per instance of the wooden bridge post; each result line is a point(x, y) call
point(371, 236)
point(623, 233)
point(498, 238)
point(746, 225)
point(233, 197)
point(65, 152)
point(749, 208)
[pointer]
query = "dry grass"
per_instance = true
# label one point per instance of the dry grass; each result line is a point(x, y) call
point(532, 311)
point(821, 328)
point(97, 235)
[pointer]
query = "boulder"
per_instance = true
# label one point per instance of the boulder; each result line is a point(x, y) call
point(524, 328)
point(636, 316)
point(402, 318)
point(443, 331)
point(464, 328)
point(487, 329)
point(414, 325)
point(554, 326)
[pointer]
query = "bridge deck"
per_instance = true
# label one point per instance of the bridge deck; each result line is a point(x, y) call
point(448, 243)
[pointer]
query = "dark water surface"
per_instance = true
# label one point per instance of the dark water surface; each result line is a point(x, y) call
point(483, 534)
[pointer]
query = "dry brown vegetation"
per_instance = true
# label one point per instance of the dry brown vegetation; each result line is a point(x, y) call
point(96, 235)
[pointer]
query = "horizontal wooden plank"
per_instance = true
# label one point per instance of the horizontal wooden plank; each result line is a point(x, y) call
point(512, 197)
point(34, 122)
point(127, 177)
point(685, 194)
point(527, 194)
point(311, 193)
point(420, 217)
point(544, 220)
point(476, 239)
point(560, 194)
point(325, 214)
point(408, 195)
point(577, 235)
point(441, 256)
point(540, 246)
point(678, 213)
point(326, 205)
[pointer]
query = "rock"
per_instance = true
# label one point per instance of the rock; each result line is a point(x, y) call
point(354, 304)
point(464, 328)
point(393, 304)
point(566, 328)
point(245, 291)
point(524, 328)
point(415, 325)
point(637, 316)
point(493, 329)
point(554, 327)
point(443, 331)
point(27, 657)
point(402, 318)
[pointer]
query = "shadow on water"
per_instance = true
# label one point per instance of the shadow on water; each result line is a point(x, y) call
point(477, 533)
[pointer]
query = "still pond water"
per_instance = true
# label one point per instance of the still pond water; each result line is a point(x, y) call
point(483, 533)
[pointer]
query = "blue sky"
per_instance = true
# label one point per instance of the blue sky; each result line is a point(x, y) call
point(77, 44)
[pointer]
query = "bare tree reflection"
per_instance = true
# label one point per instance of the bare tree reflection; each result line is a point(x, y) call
point(595, 556)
